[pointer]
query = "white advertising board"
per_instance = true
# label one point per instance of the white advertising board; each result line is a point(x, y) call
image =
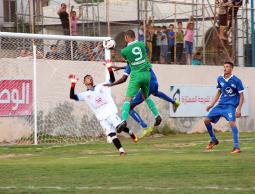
point(195, 99)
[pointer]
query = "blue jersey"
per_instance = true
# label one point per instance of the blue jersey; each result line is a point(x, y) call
point(230, 90)
point(153, 79)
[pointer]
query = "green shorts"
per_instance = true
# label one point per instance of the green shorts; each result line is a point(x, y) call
point(139, 80)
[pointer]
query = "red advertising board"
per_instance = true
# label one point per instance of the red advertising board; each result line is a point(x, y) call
point(16, 97)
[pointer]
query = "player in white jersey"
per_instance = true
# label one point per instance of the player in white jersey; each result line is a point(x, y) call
point(100, 101)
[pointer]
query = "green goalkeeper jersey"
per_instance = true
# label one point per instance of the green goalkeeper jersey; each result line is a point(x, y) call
point(136, 56)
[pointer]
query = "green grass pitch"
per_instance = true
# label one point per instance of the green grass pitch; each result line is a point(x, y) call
point(176, 164)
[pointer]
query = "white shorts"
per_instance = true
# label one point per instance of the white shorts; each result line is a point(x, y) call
point(109, 125)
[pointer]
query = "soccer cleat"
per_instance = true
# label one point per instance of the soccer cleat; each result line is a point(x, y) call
point(176, 104)
point(235, 151)
point(121, 126)
point(134, 137)
point(158, 120)
point(146, 131)
point(149, 130)
point(122, 154)
point(212, 144)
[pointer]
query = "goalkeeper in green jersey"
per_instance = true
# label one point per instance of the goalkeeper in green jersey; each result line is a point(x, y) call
point(135, 55)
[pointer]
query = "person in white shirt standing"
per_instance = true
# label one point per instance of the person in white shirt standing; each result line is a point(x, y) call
point(99, 99)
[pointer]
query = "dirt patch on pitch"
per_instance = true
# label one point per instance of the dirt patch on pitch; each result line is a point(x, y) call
point(176, 145)
point(8, 156)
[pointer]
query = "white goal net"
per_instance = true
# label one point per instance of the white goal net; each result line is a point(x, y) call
point(34, 89)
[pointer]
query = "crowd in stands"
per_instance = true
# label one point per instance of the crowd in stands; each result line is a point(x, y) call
point(227, 13)
point(171, 44)
point(85, 51)
point(168, 45)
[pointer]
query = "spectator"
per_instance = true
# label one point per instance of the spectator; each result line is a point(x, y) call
point(189, 42)
point(24, 53)
point(158, 43)
point(171, 42)
point(116, 56)
point(74, 21)
point(98, 52)
point(39, 54)
point(74, 31)
point(53, 54)
point(141, 33)
point(64, 17)
point(80, 55)
point(197, 59)
point(149, 38)
point(223, 18)
point(154, 45)
point(164, 46)
point(235, 4)
point(179, 43)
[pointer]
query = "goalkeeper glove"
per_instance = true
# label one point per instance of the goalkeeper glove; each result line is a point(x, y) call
point(108, 63)
point(73, 79)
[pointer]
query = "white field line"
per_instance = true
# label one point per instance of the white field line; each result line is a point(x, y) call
point(215, 187)
point(93, 142)
point(96, 141)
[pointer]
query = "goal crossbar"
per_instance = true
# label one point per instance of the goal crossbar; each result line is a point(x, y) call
point(51, 37)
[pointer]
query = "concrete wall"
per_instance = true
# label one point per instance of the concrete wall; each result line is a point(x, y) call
point(67, 117)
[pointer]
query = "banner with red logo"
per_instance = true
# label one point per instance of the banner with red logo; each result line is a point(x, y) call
point(16, 97)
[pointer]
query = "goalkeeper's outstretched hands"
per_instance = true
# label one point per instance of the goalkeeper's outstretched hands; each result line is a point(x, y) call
point(73, 79)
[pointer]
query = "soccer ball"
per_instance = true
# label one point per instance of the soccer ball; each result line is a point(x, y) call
point(109, 43)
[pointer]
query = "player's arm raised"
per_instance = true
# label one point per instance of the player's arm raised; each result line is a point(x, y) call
point(109, 67)
point(215, 99)
point(117, 68)
point(119, 81)
point(73, 81)
point(122, 79)
point(112, 77)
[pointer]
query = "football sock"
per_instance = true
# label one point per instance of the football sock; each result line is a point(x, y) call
point(210, 131)
point(116, 141)
point(164, 97)
point(130, 132)
point(138, 119)
point(152, 106)
point(127, 130)
point(235, 136)
point(125, 110)
point(121, 149)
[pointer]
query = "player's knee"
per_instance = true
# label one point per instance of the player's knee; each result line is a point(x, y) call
point(144, 96)
point(232, 123)
point(155, 94)
point(132, 106)
point(111, 137)
point(129, 99)
point(207, 121)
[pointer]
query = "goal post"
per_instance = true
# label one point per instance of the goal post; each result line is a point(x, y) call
point(34, 94)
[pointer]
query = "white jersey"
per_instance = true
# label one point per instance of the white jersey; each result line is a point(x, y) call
point(100, 101)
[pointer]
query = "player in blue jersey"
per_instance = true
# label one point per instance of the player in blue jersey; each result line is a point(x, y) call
point(138, 99)
point(231, 98)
